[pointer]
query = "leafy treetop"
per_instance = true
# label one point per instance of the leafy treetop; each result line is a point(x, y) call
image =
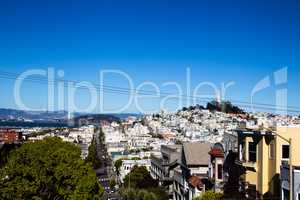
point(48, 169)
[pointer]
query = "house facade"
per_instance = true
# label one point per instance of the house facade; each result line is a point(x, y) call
point(262, 154)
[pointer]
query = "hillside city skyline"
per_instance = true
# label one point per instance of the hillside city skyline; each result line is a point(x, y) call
point(149, 100)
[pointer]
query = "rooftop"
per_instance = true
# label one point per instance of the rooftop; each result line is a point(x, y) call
point(197, 153)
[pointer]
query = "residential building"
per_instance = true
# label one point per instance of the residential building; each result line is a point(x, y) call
point(262, 153)
point(9, 136)
point(191, 176)
point(216, 174)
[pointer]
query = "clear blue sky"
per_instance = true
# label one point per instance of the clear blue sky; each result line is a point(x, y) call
point(151, 40)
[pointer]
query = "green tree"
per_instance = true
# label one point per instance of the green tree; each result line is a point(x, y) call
point(112, 183)
point(92, 155)
point(118, 165)
point(136, 194)
point(139, 177)
point(139, 185)
point(159, 192)
point(5, 151)
point(48, 169)
point(210, 195)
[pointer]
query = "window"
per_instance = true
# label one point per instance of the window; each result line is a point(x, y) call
point(272, 150)
point(285, 151)
point(220, 171)
point(252, 152)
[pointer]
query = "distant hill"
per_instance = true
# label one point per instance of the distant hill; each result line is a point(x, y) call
point(94, 119)
point(13, 115)
point(97, 118)
point(126, 115)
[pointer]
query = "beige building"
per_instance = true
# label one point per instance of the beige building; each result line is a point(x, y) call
point(262, 154)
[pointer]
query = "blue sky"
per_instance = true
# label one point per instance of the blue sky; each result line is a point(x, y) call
point(151, 40)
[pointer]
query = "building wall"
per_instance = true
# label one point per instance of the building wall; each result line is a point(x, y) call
point(199, 170)
point(250, 177)
point(156, 169)
point(261, 177)
point(264, 166)
point(213, 169)
point(266, 177)
point(294, 133)
point(290, 132)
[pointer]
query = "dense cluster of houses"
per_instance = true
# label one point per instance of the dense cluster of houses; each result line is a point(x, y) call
point(193, 151)
point(260, 161)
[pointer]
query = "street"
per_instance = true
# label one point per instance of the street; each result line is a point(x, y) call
point(104, 172)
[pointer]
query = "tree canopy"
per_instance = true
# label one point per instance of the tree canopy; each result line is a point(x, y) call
point(157, 193)
point(139, 177)
point(135, 194)
point(210, 195)
point(48, 169)
point(92, 155)
point(118, 165)
point(224, 106)
point(139, 184)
